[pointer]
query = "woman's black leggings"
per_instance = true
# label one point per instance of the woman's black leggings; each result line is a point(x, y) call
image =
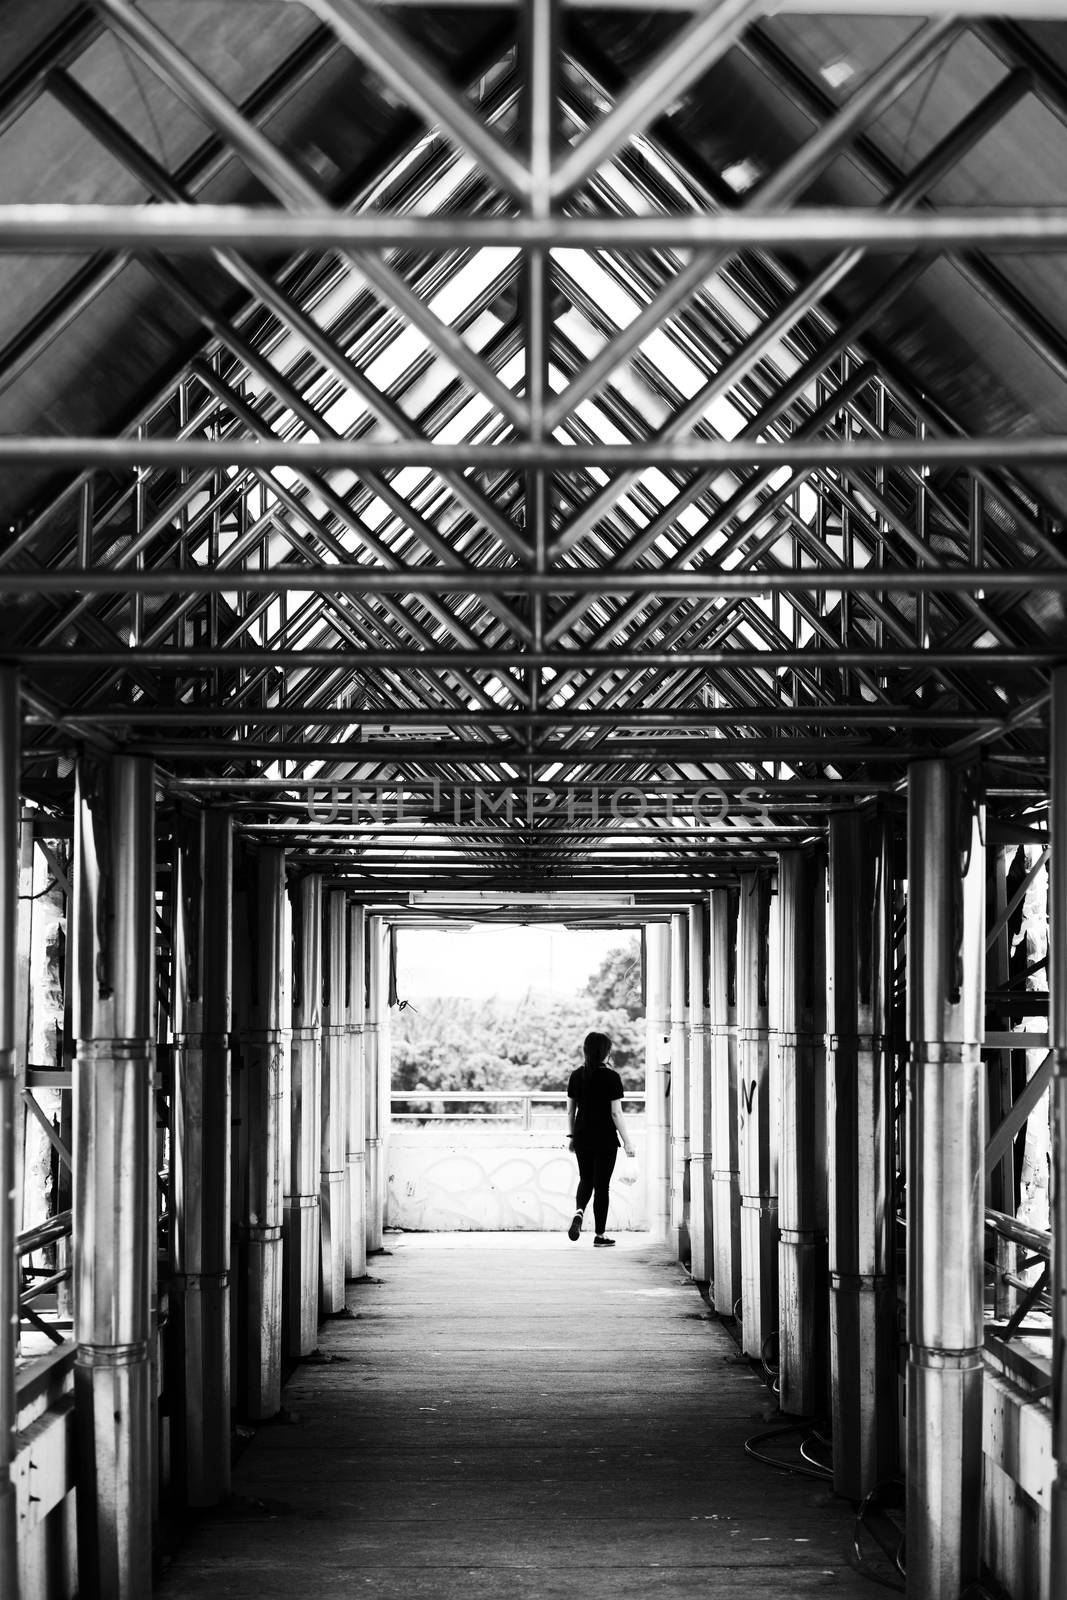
point(596, 1163)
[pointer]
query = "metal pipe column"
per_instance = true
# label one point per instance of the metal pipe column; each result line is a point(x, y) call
point(334, 1106)
point(802, 1251)
point(946, 1180)
point(757, 1119)
point(859, 1113)
point(356, 1155)
point(725, 1184)
point(372, 1094)
point(9, 1300)
point(678, 1096)
point(1058, 1043)
point(200, 1186)
point(113, 995)
point(700, 1163)
point(657, 1064)
point(305, 1111)
point(265, 1046)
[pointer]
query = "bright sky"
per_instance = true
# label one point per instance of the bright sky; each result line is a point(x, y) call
point(500, 960)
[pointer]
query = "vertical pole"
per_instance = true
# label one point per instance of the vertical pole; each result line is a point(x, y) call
point(757, 1128)
point(200, 1188)
point(678, 1098)
point(657, 1063)
point(334, 1107)
point(372, 1097)
point(1058, 1042)
point(385, 1074)
point(114, 1178)
point(356, 1159)
point(946, 1181)
point(725, 1179)
point(9, 1301)
point(802, 1256)
point(859, 1114)
point(266, 1063)
point(700, 1163)
point(302, 1200)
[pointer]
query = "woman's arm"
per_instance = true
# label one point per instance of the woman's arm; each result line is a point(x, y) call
point(572, 1108)
point(620, 1122)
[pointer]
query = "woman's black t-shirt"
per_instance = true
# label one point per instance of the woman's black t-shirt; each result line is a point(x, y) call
point(593, 1097)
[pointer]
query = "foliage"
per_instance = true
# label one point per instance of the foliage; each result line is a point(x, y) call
point(616, 984)
point(463, 1045)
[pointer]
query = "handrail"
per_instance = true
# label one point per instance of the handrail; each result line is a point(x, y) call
point(47, 1232)
point(520, 1104)
point(1011, 1228)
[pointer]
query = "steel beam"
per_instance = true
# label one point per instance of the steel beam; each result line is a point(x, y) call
point(946, 1113)
point(356, 1153)
point(678, 1092)
point(1019, 450)
point(202, 1018)
point(701, 1161)
point(863, 1341)
point(265, 1052)
point(372, 1047)
point(115, 1200)
point(287, 181)
point(802, 1214)
point(302, 1214)
point(335, 1098)
point(758, 1113)
point(496, 658)
point(364, 578)
point(722, 1018)
point(172, 228)
point(1058, 1042)
point(9, 970)
point(714, 28)
point(399, 61)
point(657, 953)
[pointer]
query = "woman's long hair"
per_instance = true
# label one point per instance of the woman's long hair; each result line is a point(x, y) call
point(595, 1048)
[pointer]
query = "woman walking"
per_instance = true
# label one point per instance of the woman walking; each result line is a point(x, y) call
point(594, 1127)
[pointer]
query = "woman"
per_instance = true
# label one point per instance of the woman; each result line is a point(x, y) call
point(594, 1126)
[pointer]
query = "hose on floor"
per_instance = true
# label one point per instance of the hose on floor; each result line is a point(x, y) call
point(897, 1558)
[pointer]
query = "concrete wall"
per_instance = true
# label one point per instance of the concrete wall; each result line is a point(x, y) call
point(479, 1178)
point(1017, 1445)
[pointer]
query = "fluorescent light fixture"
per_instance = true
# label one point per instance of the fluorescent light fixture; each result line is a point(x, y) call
point(589, 899)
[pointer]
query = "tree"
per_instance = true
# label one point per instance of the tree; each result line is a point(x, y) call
point(616, 984)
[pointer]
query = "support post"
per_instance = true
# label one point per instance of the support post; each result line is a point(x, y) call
point(802, 1251)
point(700, 1161)
point(946, 1180)
point(334, 1106)
point(725, 1181)
point(200, 1186)
point(757, 1119)
point(302, 1199)
point(114, 1174)
point(1058, 1042)
point(657, 1064)
point(678, 1096)
point(859, 1113)
point(265, 1046)
point(9, 1300)
point(356, 1156)
point(372, 1096)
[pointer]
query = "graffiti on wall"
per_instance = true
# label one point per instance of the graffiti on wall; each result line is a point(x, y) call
point(462, 1184)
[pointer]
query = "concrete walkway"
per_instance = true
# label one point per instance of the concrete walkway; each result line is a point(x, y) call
point(513, 1417)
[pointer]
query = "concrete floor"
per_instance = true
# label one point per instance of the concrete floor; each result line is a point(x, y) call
point(517, 1416)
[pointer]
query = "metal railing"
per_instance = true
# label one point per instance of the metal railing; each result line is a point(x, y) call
point(523, 1108)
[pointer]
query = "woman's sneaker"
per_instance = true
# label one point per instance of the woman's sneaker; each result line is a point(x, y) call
point(576, 1226)
point(600, 1243)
